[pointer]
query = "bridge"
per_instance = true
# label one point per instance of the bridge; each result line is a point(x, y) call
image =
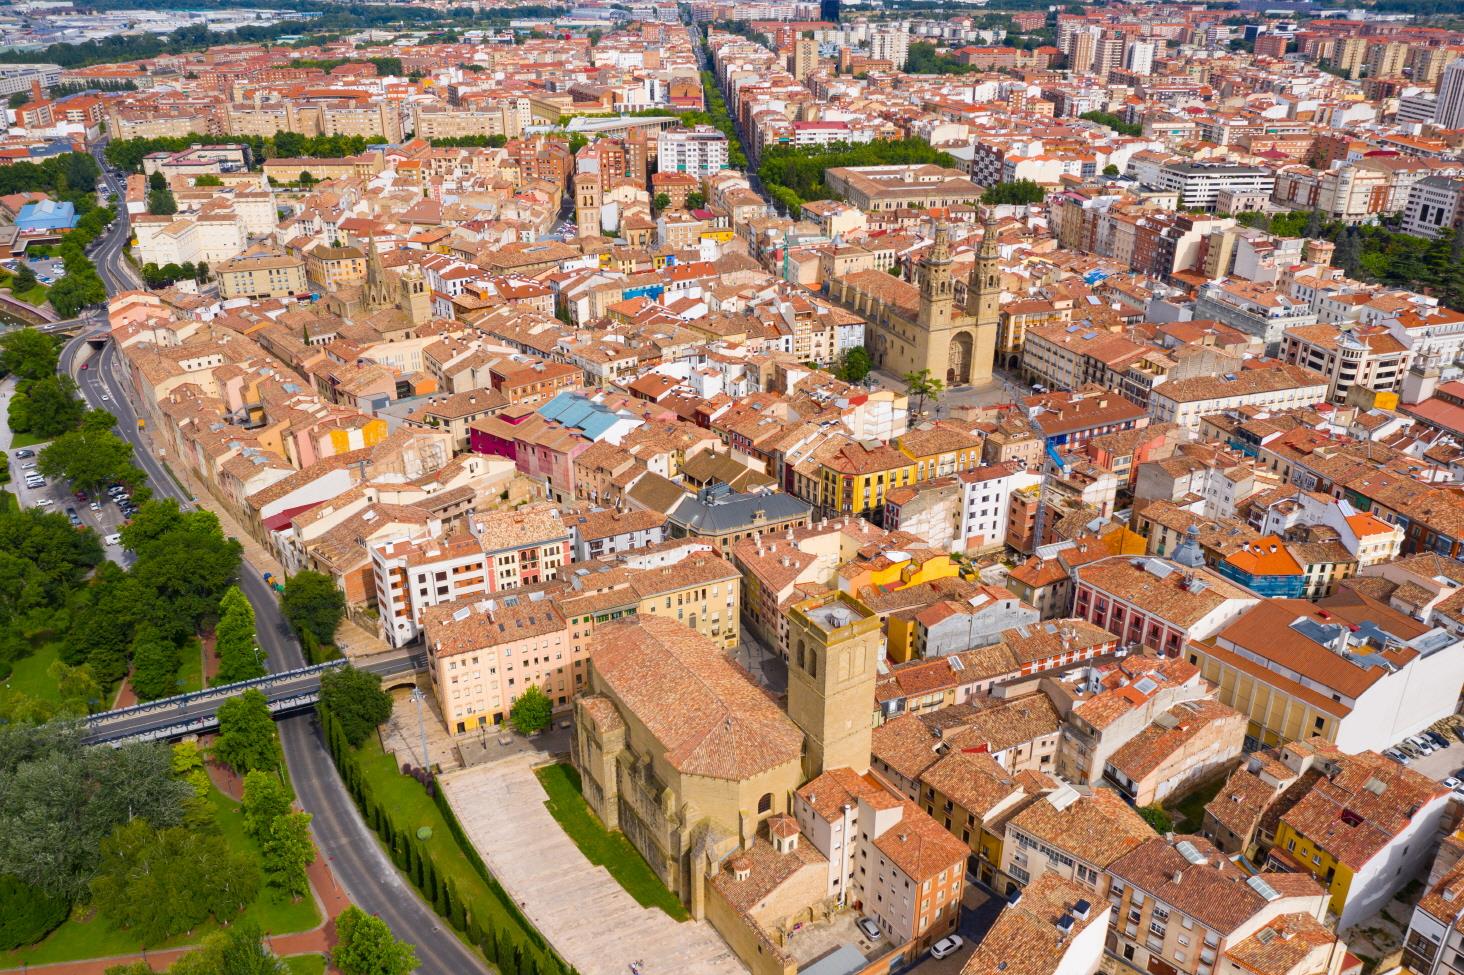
point(73, 324)
point(290, 692)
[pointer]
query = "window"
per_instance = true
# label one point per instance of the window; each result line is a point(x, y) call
point(765, 804)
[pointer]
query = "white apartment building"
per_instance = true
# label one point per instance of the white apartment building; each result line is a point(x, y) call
point(890, 45)
point(1368, 356)
point(986, 502)
point(503, 550)
point(1435, 203)
point(1199, 184)
point(1450, 111)
point(1255, 309)
point(700, 151)
point(1185, 401)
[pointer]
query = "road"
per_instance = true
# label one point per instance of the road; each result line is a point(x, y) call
point(363, 870)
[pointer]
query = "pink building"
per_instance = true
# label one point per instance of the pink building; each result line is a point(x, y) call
point(483, 652)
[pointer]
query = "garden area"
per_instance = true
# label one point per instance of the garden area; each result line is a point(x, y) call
point(417, 829)
point(613, 851)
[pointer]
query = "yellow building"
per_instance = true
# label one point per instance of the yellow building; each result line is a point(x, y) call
point(681, 750)
point(855, 477)
point(334, 268)
point(972, 796)
point(257, 276)
point(701, 592)
point(940, 449)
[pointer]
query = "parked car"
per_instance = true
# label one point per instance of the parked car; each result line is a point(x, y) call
point(95, 506)
point(1437, 739)
point(870, 929)
point(1452, 783)
point(25, 452)
point(44, 503)
point(1397, 756)
point(113, 539)
point(1422, 744)
point(1458, 730)
point(946, 947)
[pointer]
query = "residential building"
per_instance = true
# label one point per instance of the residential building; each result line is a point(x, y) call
point(259, 276)
point(700, 151)
point(1161, 604)
point(1056, 927)
point(1074, 836)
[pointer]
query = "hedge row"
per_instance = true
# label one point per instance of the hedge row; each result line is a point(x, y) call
point(495, 925)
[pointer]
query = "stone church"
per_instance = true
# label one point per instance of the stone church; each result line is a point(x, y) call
point(392, 302)
point(913, 327)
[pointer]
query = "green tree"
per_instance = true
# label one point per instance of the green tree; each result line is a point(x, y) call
point(314, 605)
point(76, 686)
point(856, 365)
point(661, 202)
point(695, 200)
point(356, 700)
point(1157, 817)
point(159, 883)
point(365, 946)
point(1110, 170)
point(187, 766)
point(532, 712)
point(1114, 122)
point(923, 385)
point(306, 178)
point(1020, 192)
point(46, 407)
point(27, 914)
point(208, 179)
point(60, 799)
point(157, 181)
point(265, 800)
point(288, 852)
point(246, 738)
point(24, 279)
point(161, 203)
point(90, 459)
point(235, 640)
point(155, 662)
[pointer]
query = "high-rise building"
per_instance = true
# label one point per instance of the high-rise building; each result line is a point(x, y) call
point(1083, 49)
point(700, 151)
point(1141, 57)
point(805, 57)
point(1450, 111)
point(890, 45)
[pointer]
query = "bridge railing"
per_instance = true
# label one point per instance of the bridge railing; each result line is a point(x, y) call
point(201, 723)
point(222, 690)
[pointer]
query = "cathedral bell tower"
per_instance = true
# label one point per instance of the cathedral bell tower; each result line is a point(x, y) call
point(937, 292)
point(983, 289)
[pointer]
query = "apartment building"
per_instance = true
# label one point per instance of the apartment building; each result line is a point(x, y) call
point(1073, 835)
point(1161, 604)
point(1199, 184)
point(1281, 387)
point(887, 857)
point(1253, 308)
point(700, 151)
point(1435, 204)
point(258, 276)
point(502, 550)
point(1368, 356)
point(483, 652)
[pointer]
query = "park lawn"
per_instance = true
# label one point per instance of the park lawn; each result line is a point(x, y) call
point(35, 296)
point(305, 964)
point(411, 808)
point(30, 677)
point(190, 670)
point(93, 937)
point(600, 846)
point(26, 440)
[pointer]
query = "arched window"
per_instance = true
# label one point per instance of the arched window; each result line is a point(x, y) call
point(802, 656)
point(765, 804)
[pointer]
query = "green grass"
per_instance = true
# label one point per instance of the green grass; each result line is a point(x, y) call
point(35, 296)
point(602, 847)
point(26, 440)
point(93, 937)
point(9, 503)
point(305, 964)
point(30, 677)
point(1189, 812)
point(190, 671)
point(411, 808)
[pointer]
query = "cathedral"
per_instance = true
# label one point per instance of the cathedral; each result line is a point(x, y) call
point(392, 302)
point(912, 327)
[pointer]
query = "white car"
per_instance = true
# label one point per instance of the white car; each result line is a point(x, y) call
point(946, 947)
point(113, 539)
point(1452, 783)
point(44, 503)
point(106, 398)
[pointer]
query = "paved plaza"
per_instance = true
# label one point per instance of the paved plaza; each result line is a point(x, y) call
point(584, 913)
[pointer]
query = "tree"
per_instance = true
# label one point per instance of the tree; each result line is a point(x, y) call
point(306, 178)
point(1110, 170)
point(187, 766)
point(356, 700)
point(28, 354)
point(695, 200)
point(265, 800)
point(27, 914)
point(157, 181)
point(856, 365)
point(923, 385)
point(365, 946)
point(288, 851)
point(661, 202)
point(314, 605)
point(154, 664)
point(532, 712)
point(235, 640)
point(90, 459)
point(60, 799)
point(162, 203)
point(1156, 817)
point(24, 279)
point(161, 882)
point(246, 738)
point(208, 179)
point(1020, 192)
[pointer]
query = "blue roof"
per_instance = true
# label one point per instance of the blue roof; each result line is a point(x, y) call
point(578, 412)
point(46, 215)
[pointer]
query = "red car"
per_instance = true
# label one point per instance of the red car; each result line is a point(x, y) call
point(85, 366)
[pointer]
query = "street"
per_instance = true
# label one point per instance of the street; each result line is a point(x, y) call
point(354, 853)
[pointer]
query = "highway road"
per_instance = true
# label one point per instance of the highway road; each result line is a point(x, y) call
point(362, 869)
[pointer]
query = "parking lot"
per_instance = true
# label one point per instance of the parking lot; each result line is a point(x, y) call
point(105, 519)
point(1445, 762)
point(48, 270)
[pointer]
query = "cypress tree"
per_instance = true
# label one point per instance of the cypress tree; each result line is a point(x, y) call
point(455, 906)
